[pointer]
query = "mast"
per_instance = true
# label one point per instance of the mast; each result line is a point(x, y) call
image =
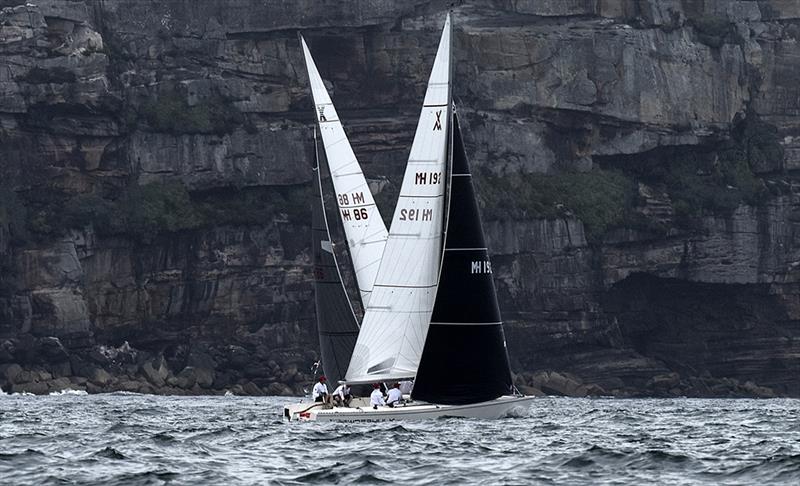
point(363, 226)
point(396, 319)
point(465, 359)
point(337, 325)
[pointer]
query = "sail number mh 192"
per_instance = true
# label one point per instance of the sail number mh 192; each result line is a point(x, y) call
point(427, 178)
point(416, 214)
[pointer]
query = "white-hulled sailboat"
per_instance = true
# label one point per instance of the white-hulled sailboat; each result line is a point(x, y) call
point(433, 313)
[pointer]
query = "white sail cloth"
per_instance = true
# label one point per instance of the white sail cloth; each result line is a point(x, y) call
point(363, 226)
point(396, 320)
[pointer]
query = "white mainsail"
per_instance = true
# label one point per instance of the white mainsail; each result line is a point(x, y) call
point(396, 320)
point(363, 226)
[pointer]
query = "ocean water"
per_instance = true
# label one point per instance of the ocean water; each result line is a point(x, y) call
point(139, 439)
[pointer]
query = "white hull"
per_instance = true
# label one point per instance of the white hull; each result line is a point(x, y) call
point(494, 409)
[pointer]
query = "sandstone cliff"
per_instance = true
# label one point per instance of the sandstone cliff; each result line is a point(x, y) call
point(636, 161)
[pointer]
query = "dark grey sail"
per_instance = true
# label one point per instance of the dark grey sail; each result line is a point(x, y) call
point(336, 322)
point(465, 358)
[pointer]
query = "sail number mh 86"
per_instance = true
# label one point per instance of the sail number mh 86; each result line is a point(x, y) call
point(358, 213)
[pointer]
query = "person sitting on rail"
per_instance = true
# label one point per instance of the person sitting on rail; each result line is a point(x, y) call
point(320, 392)
point(341, 395)
point(395, 396)
point(376, 397)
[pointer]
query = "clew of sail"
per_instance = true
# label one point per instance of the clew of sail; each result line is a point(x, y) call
point(396, 320)
point(363, 226)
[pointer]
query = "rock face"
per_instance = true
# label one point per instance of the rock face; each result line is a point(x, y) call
point(155, 158)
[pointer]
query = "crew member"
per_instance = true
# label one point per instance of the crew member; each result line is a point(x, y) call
point(320, 392)
point(376, 397)
point(341, 395)
point(395, 396)
point(406, 386)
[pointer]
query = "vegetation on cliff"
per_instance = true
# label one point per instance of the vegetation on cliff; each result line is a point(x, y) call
point(710, 180)
point(145, 212)
point(602, 199)
point(699, 181)
point(171, 113)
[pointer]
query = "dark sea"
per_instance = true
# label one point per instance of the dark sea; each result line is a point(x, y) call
point(140, 439)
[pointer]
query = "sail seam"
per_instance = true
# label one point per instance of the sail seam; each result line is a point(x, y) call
point(406, 286)
point(466, 323)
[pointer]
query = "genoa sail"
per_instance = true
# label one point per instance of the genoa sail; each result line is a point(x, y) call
point(363, 226)
point(396, 319)
point(336, 322)
point(465, 359)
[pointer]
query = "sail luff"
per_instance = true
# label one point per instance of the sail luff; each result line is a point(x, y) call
point(364, 228)
point(396, 319)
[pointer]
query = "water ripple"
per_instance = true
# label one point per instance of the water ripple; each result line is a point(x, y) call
point(138, 439)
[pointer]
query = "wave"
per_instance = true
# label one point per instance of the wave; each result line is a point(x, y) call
point(779, 467)
point(10, 456)
point(110, 453)
point(68, 391)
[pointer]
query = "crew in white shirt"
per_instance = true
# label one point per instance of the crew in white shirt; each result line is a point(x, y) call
point(342, 396)
point(395, 396)
point(376, 397)
point(320, 391)
point(406, 386)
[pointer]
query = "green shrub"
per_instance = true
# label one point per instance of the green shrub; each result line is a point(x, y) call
point(146, 212)
point(602, 199)
point(758, 141)
point(104, 215)
point(172, 114)
point(153, 209)
point(255, 205)
point(701, 182)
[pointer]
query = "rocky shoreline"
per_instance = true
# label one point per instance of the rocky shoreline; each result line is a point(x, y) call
point(107, 369)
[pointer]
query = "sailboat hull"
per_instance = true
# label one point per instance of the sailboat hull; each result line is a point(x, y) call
point(493, 409)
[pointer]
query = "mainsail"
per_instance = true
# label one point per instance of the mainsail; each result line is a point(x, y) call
point(465, 358)
point(336, 322)
point(363, 226)
point(396, 319)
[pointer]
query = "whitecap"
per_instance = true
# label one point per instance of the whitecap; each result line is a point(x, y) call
point(69, 391)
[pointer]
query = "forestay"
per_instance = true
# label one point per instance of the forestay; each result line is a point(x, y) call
point(396, 320)
point(363, 226)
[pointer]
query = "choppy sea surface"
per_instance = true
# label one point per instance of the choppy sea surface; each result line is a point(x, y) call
point(140, 439)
